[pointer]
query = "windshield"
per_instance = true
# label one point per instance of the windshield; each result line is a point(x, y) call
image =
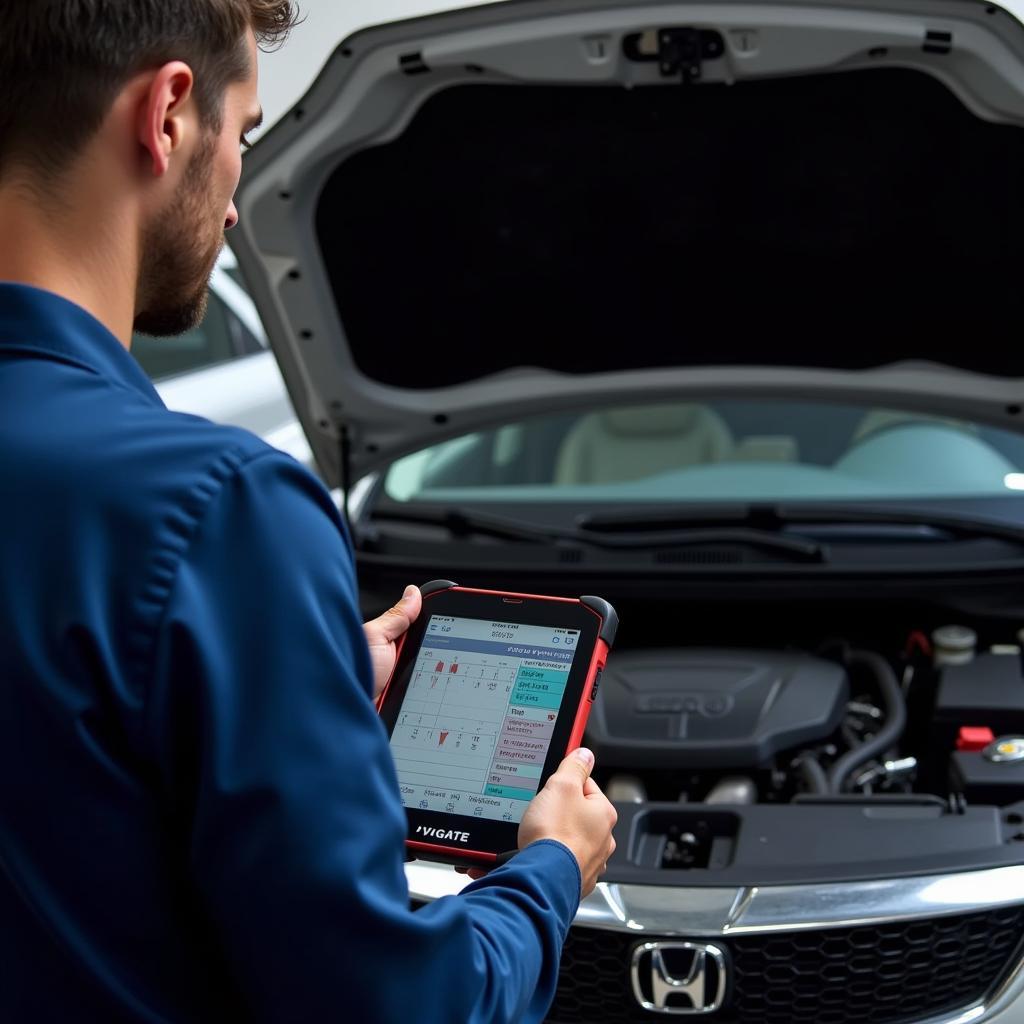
point(729, 449)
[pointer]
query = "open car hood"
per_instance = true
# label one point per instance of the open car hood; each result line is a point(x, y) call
point(526, 207)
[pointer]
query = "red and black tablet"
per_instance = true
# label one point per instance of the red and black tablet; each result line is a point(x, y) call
point(489, 693)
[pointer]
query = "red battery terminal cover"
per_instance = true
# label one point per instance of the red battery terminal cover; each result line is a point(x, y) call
point(974, 737)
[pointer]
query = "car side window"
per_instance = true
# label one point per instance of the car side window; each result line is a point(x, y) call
point(219, 338)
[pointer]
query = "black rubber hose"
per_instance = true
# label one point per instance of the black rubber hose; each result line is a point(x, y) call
point(895, 720)
point(813, 775)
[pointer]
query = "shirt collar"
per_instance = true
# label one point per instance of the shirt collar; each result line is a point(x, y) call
point(40, 322)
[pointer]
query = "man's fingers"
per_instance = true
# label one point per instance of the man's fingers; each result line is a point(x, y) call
point(397, 619)
point(576, 767)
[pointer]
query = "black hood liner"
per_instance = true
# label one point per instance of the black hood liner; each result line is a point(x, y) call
point(839, 221)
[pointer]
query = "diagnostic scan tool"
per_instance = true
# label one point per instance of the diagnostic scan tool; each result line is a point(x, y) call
point(490, 691)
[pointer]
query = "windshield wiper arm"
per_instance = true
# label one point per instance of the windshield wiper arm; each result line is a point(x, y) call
point(777, 518)
point(697, 536)
point(953, 525)
point(462, 524)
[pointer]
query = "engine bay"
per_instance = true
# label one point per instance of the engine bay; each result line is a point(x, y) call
point(814, 762)
point(788, 728)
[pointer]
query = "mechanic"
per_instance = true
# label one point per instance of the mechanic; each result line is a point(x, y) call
point(199, 818)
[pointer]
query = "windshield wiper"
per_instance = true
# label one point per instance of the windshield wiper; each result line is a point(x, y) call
point(460, 524)
point(888, 523)
point(485, 524)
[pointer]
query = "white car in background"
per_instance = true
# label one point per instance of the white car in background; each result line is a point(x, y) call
point(223, 370)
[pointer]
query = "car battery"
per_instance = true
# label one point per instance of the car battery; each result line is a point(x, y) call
point(986, 691)
point(994, 775)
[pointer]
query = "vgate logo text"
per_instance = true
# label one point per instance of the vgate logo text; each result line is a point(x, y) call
point(449, 835)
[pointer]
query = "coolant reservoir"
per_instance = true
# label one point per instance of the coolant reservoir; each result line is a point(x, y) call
point(953, 645)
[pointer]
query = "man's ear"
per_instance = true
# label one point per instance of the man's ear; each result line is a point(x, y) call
point(162, 122)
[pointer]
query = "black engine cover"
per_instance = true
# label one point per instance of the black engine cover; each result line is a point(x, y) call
point(707, 708)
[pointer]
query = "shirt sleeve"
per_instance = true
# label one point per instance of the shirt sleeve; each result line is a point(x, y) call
point(282, 792)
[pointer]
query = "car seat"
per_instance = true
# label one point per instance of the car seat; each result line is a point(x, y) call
point(633, 442)
point(875, 420)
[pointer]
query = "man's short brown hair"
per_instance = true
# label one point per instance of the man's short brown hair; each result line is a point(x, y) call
point(62, 63)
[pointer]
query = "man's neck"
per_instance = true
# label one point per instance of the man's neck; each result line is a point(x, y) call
point(78, 248)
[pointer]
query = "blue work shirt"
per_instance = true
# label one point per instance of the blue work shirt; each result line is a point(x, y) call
point(199, 813)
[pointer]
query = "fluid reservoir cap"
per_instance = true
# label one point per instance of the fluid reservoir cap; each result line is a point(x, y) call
point(955, 638)
point(954, 645)
point(1006, 749)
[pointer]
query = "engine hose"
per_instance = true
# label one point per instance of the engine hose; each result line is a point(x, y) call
point(813, 775)
point(895, 720)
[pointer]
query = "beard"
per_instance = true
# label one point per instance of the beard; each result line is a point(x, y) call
point(178, 255)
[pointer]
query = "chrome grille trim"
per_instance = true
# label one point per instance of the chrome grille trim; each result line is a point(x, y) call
point(703, 912)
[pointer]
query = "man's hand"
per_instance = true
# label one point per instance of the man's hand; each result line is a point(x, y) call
point(572, 809)
point(383, 632)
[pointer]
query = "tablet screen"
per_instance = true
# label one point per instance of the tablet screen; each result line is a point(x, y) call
point(474, 728)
